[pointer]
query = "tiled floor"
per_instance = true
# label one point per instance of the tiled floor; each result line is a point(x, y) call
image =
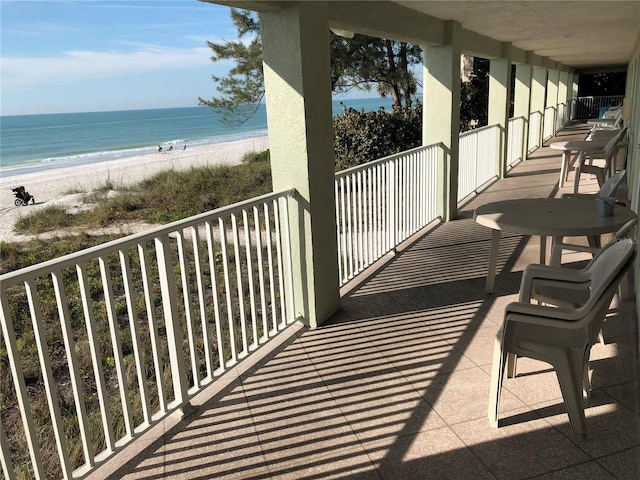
point(395, 386)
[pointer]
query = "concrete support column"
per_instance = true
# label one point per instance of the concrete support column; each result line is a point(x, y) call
point(441, 113)
point(538, 89)
point(499, 102)
point(563, 96)
point(552, 96)
point(574, 94)
point(522, 100)
point(297, 76)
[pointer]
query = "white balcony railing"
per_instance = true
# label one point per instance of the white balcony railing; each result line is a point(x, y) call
point(589, 107)
point(381, 204)
point(104, 343)
point(477, 159)
point(515, 140)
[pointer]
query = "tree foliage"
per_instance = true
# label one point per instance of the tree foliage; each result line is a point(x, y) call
point(357, 63)
point(360, 137)
point(474, 97)
point(243, 89)
point(363, 62)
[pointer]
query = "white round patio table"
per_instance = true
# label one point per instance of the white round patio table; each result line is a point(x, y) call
point(546, 217)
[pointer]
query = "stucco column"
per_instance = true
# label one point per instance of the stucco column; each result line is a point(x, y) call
point(297, 78)
point(574, 96)
point(499, 101)
point(552, 97)
point(563, 96)
point(441, 113)
point(538, 89)
point(521, 101)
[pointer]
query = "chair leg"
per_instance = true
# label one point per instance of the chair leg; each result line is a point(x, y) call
point(497, 376)
point(579, 165)
point(569, 367)
point(586, 381)
point(512, 365)
point(556, 251)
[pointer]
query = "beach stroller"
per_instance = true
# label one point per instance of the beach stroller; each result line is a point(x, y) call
point(22, 196)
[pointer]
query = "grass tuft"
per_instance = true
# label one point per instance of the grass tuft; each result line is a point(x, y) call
point(53, 217)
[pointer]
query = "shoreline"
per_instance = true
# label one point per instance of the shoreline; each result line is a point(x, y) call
point(63, 185)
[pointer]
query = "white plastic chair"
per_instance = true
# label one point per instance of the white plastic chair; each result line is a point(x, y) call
point(561, 337)
point(573, 295)
point(585, 161)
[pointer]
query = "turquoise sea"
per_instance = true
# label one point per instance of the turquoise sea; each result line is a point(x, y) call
point(31, 143)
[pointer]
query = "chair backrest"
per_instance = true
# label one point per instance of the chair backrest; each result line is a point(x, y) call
point(611, 144)
point(606, 272)
point(610, 187)
point(608, 263)
point(614, 112)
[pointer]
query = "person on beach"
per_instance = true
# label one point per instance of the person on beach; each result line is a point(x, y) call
point(159, 148)
point(170, 147)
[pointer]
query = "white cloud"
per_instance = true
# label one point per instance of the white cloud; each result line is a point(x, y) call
point(81, 65)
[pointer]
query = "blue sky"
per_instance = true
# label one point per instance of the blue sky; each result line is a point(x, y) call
point(93, 55)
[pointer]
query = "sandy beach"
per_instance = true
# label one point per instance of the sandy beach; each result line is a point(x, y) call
point(67, 185)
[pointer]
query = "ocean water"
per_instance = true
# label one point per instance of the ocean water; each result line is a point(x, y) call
point(31, 143)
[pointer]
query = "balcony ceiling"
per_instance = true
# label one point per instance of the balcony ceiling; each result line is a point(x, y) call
point(580, 34)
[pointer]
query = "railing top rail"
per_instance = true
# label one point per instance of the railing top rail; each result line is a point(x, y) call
point(17, 276)
point(477, 130)
point(599, 96)
point(388, 158)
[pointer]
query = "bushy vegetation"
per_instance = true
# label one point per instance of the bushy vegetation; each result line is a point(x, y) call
point(362, 137)
point(166, 197)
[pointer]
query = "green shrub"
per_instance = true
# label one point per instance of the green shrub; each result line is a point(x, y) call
point(362, 137)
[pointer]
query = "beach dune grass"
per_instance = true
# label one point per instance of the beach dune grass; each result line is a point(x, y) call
point(167, 196)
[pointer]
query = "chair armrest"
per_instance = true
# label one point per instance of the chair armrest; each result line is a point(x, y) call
point(540, 312)
point(545, 272)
